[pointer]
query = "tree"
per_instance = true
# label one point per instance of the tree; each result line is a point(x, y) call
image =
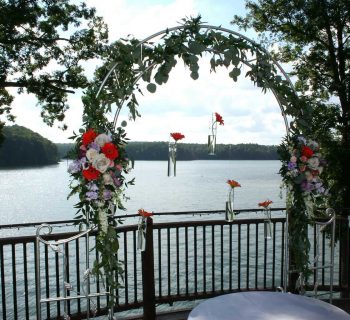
point(42, 46)
point(314, 37)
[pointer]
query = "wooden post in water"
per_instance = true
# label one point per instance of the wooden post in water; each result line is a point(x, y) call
point(147, 257)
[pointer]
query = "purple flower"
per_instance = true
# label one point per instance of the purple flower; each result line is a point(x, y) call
point(302, 140)
point(74, 166)
point(306, 186)
point(117, 182)
point(94, 145)
point(92, 186)
point(91, 195)
point(292, 165)
point(107, 194)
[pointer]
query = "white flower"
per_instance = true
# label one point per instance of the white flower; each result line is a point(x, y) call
point(102, 216)
point(313, 163)
point(91, 154)
point(107, 179)
point(313, 144)
point(101, 163)
point(101, 139)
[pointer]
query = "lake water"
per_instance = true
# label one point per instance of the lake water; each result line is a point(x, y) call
point(40, 194)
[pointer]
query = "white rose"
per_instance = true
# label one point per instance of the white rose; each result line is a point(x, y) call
point(107, 179)
point(313, 163)
point(101, 139)
point(91, 154)
point(101, 163)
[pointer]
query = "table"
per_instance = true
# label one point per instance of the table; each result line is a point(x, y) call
point(265, 305)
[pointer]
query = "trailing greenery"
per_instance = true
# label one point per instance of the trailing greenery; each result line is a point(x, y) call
point(23, 147)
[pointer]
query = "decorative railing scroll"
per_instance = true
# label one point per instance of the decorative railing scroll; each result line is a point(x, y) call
point(59, 247)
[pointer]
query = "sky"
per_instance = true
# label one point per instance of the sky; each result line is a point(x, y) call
point(182, 105)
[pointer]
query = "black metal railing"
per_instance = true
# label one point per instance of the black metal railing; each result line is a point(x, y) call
point(183, 261)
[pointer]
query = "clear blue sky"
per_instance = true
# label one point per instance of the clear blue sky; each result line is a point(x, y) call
point(182, 105)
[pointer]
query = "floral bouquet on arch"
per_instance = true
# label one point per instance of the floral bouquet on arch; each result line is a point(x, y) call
point(97, 177)
point(301, 172)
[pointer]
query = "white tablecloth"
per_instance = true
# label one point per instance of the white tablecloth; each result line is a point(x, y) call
point(266, 306)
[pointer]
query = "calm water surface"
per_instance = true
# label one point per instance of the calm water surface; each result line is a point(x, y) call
point(40, 194)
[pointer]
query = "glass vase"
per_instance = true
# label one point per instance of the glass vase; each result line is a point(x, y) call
point(172, 159)
point(212, 137)
point(267, 224)
point(230, 215)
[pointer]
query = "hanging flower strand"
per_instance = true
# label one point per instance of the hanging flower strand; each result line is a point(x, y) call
point(267, 221)
point(172, 152)
point(216, 119)
point(230, 200)
point(142, 229)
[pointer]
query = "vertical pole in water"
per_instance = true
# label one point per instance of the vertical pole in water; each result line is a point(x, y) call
point(149, 303)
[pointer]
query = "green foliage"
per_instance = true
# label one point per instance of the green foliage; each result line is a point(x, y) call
point(23, 147)
point(42, 45)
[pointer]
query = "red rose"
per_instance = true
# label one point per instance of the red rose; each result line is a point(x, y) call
point(219, 119)
point(91, 173)
point(307, 152)
point(177, 136)
point(88, 137)
point(110, 151)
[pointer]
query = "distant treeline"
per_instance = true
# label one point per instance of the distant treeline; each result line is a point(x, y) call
point(191, 151)
point(23, 147)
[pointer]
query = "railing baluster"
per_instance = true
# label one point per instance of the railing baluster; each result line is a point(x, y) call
point(265, 261)
point(25, 272)
point(248, 253)
point(256, 253)
point(177, 261)
point(135, 264)
point(230, 256)
point(195, 260)
point(160, 263)
point(186, 258)
point(239, 256)
point(126, 279)
point(282, 284)
point(14, 282)
point(47, 278)
point(212, 259)
point(204, 261)
point(77, 271)
point(222, 256)
point(169, 261)
point(2, 275)
point(273, 254)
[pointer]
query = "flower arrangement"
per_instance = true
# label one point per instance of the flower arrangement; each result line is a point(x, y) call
point(172, 152)
point(303, 170)
point(230, 199)
point(97, 177)
point(216, 119)
point(142, 228)
point(267, 222)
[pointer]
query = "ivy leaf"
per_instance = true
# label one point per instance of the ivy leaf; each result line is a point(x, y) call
point(151, 87)
point(195, 47)
point(235, 73)
point(194, 75)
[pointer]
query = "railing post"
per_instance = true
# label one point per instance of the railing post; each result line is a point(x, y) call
point(147, 258)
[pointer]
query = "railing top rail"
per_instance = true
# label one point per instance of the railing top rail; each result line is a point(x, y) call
point(174, 213)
